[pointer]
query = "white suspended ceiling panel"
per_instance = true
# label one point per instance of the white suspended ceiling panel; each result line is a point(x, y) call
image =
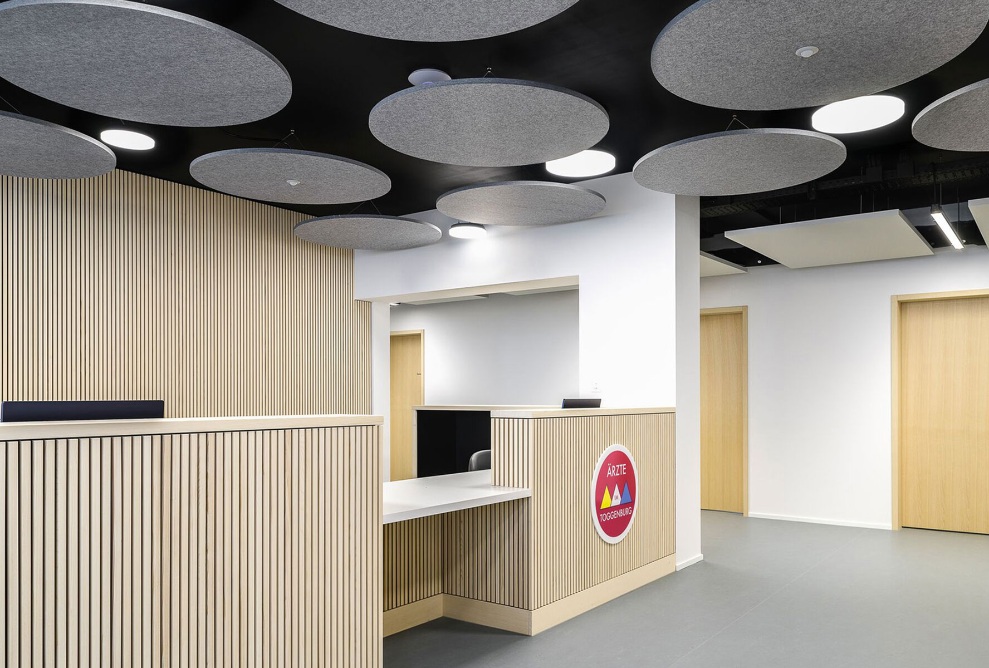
point(866, 237)
point(980, 211)
point(715, 266)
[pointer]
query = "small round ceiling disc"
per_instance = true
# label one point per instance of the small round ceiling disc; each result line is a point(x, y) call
point(32, 148)
point(521, 203)
point(958, 121)
point(430, 20)
point(740, 162)
point(138, 62)
point(289, 176)
point(488, 122)
point(368, 232)
point(737, 54)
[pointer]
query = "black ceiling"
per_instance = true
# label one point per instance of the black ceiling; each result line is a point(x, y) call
point(598, 47)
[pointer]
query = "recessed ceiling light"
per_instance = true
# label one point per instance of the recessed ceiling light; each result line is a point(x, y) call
point(583, 164)
point(468, 231)
point(808, 51)
point(428, 75)
point(858, 114)
point(128, 139)
point(293, 182)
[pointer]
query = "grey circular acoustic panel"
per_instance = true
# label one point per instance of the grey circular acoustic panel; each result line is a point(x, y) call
point(740, 162)
point(33, 148)
point(289, 176)
point(742, 54)
point(368, 232)
point(521, 203)
point(138, 62)
point(430, 20)
point(488, 122)
point(958, 121)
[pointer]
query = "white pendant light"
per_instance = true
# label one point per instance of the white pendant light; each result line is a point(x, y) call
point(582, 165)
point(858, 114)
point(468, 231)
point(128, 139)
point(938, 215)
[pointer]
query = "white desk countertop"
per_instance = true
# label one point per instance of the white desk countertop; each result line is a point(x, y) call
point(423, 497)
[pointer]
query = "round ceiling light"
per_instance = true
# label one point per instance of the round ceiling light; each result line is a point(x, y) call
point(128, 139)
point(582, 165)
point(428, 75)
point(858, 114)
point(468, 231)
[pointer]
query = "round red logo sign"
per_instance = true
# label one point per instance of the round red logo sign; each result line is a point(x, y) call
point(614, 493)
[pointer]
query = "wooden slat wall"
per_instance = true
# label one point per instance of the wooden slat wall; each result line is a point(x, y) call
point(127, 287)
point(511, 452)
point(533, 552)
point(555, 457)
point(486, 554)
point(256, 548)
point(413, 561)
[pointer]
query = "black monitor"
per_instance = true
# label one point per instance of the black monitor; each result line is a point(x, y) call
point(65, 411)
point(582, 403)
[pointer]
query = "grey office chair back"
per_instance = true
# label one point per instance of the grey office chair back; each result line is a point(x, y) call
point(479, 461)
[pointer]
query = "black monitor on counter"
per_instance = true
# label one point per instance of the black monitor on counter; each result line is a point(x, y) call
point(67, 411)
point(581, 403)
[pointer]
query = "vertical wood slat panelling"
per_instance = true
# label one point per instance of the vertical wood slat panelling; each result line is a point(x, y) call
point(157, 550)
point(568, 556)
point(486, 555)
point(413, 561)
point(533, 552)
point(130, 287)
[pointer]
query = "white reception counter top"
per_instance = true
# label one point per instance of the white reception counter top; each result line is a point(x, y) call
point(423, 497)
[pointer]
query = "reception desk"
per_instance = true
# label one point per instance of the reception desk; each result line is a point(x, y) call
point(230, 541)
point(529, 563)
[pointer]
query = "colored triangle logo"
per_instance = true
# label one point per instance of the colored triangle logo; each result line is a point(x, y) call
point(616, 497)
point(606, 501)
point(626, 497)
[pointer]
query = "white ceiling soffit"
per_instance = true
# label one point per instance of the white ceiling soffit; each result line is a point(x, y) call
point(980, 211)
point(744, 55)
point(542, 291)
point(866, 237)
point(444, 300)
point(715, 266)
point(534, 285)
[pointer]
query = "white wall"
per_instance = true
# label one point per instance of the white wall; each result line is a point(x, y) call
point(500, 350)
point(626, 263)
point(688, 377)
point(820, 396)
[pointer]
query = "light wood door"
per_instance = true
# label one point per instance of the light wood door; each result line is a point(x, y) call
point(407, 390)
point(944, 414)
point(723, 410)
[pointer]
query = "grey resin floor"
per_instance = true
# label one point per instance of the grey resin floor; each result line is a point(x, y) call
point(768, 594)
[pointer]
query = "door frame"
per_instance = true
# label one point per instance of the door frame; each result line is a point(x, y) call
point(422, 390)
point(896, 304)
point(744, 311)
